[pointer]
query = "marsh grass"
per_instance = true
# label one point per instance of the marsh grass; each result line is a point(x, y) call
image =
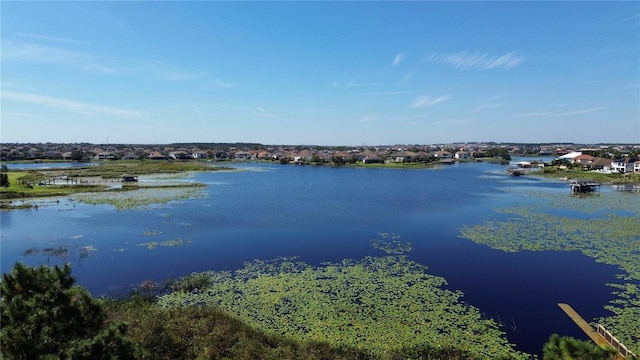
point(143, 197)
point(25, 184)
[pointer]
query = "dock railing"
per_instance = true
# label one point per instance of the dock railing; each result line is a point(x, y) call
point(615, 343)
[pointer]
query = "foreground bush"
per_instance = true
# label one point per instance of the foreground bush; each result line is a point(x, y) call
point(44, 316)
point(205, 332)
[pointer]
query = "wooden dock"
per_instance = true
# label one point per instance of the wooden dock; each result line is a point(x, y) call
point(600, 336)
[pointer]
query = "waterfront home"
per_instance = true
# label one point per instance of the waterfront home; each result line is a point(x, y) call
point(179, 155)
point(599, 163)
point(582, 159)
point(371, 160)
point(462, 155)
point(130, 156)
point(443, 155)
point(243, 155)
point(199, 155)
point(156, 156)
point(623, 166)
point(104, 155)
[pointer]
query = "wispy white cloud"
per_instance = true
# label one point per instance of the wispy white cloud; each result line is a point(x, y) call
point(562, 114)
point(21, 115)
point(13, 51)
point(489, 103)
point(579, 112)
point(22, 51)
point(367, 118)
point(492, 98)
point(218, 83)
point(405, 79)
point(486, 106)
point(357, 84)
point(533, 114)
point(262, 112)
point(423, 101)
point(169, 72)
point(398, 59)
point(399, 92)
point(627, 87)
point(70, 105)
point(52, 38)
point(485, 61)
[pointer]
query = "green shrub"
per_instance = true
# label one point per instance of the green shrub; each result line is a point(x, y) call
point(44, 315)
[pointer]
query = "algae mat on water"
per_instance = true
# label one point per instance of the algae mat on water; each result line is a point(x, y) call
point(377, 303)
point(143, 197)
point(604, 226)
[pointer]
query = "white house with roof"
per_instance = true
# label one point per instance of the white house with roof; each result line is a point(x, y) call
point(462, 155)
point(623, 166)
point(443, 155)
point(199, 155)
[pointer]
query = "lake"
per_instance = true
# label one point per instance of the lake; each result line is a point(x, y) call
point(324, 214)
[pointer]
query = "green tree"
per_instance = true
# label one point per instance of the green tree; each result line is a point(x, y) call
point(44, 316)
point(4, 179)
point(567, 348)
point(77, 155)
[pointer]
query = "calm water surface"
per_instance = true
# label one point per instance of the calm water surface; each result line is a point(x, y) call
point(325, 214)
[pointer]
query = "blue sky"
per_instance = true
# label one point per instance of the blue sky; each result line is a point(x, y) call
point(325, 73)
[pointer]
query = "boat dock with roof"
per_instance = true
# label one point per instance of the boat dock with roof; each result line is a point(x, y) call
point(584, 186)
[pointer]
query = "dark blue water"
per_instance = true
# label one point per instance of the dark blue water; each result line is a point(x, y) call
point(326, 214)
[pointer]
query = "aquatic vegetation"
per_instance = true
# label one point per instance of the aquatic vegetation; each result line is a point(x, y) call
point(608, 231)
point(391, 244)
point(167, 243)
point(142, 197)
point(378, 303)
point(64, 251)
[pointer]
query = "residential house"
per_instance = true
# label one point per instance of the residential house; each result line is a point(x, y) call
point(179, 155)
point(156, 156)
point(462, 155)
point(264, 155)
point(623, 166)
point(583, 159)
point(443, 155)
point(404, 156)
point(104, 155)
point(600, 164)
point(199, 155)
point(130, 156)
point(371, 159)
point(242, 155)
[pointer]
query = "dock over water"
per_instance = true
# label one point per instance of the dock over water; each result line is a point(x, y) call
point(600, 336)
point(584, 186)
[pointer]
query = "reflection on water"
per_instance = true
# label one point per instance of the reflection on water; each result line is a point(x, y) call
point(626, 187)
